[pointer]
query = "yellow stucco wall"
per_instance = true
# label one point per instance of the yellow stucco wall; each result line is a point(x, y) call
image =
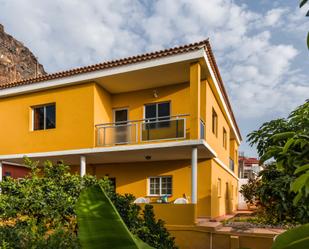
point(177, 94)
point(227, 201)
point(102, 106)
point(133, 178)
point(199, 237)
point(74, 121)
point(216, 142)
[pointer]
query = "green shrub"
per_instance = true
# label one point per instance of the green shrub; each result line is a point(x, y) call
point(282, 191)
point(39, 211)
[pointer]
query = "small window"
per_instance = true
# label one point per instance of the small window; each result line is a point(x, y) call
point(44, 117)
point(161, 185)
point(231, 164)
point(219, 187)
point(224, 138)
point(227, 194)
point(214, 122)
point(232, 192)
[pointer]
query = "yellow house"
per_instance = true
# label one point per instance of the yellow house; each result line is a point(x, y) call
point(158, 125)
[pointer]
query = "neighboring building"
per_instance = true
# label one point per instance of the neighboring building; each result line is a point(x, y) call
point(249, 168)
point(13, 170)
point(158, 124)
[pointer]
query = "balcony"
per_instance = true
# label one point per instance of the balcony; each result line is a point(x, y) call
point(142, 131)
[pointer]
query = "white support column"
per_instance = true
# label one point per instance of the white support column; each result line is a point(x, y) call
point(82, 166)
point(194, 175)
point(1, 165)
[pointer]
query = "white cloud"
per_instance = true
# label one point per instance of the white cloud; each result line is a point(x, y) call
point(273, 16)
point(257, 71)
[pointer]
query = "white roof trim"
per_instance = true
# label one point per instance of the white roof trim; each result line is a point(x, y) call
point(14, 164)
point(108, 149)
point(79, 78)
point(221, 96)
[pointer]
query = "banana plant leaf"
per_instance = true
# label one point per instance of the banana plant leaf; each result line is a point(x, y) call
point(100, 225)
point(295, 238)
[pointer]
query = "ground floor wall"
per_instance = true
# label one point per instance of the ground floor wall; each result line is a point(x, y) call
point(134, 178)
point(224, 190)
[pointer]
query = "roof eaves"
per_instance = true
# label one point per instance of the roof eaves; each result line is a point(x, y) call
point(109, 64)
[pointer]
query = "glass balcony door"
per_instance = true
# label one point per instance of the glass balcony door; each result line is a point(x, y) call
point(121, 134)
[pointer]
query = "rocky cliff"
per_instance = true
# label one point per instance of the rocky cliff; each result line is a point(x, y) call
point(17, 62)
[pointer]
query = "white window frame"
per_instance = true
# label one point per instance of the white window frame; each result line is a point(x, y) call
point(160, 185)
point(38, 106)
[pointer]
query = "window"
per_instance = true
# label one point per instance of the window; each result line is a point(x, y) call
point(214, 122)
point(219, 187)
point(202, 129)
point(161, 185)
point(44, 117)
point(157, 112)
point(232, 192)
point(224, 138)
point(231, 164)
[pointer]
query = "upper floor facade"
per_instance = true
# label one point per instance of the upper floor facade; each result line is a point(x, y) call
point(167, 96)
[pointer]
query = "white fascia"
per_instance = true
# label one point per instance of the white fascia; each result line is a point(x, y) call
point(14, 164)
point(84, 77)
point(104, 149)
point(212, 74)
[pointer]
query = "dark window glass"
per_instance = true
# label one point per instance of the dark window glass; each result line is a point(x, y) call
point(151, 111)
point(164, 110)
point(121, 116)
point(38, 122)
point(44, 117)
point(50, 116)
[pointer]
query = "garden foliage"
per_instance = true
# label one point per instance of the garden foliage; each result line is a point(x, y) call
point(39, 211)
point(282, 192)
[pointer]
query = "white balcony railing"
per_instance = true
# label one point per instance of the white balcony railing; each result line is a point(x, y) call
point(145, 130)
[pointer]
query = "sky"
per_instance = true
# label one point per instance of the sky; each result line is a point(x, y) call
point(259, 44)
